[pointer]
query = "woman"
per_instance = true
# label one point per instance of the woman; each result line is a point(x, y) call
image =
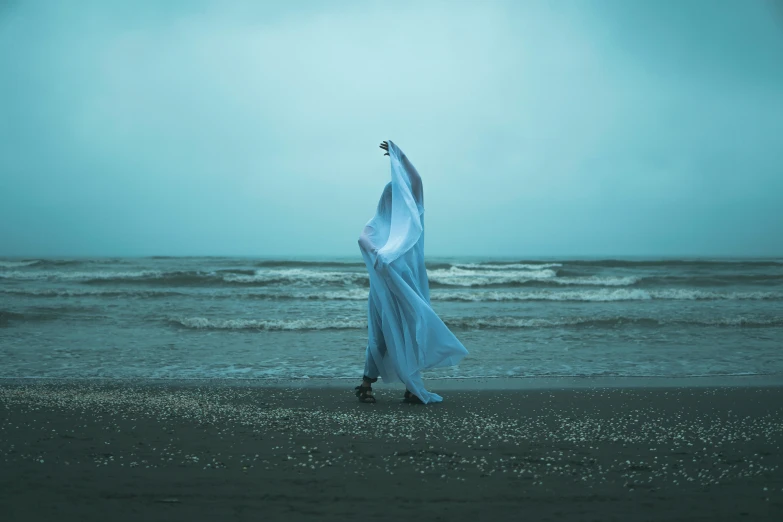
point(405, 335)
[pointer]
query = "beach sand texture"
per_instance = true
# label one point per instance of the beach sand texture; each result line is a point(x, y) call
point(115, 451)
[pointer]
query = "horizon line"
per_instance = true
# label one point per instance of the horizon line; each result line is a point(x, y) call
point(432, 256)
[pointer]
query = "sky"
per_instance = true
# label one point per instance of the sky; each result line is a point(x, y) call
point(540, 128)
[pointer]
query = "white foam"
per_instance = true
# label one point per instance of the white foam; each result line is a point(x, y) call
point(273, 324)
point(513, 266)
point(343, 324)
point(605, 322)
point(66, 292)
point(517, 322)
point(603, 295)
point(357, 294)
point(298, 275)
point(354, 294)
point(456, 276)
point(78, 276)
point(17, 264)
point(598, 281)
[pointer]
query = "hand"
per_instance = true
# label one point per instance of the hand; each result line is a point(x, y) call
point(385, 146)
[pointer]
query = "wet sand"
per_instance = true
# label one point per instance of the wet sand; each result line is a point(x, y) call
point(114, 451)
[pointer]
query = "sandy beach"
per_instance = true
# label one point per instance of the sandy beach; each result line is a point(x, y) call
point(167, 451)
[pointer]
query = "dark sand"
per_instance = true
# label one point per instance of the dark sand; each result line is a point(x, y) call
point(116, 452)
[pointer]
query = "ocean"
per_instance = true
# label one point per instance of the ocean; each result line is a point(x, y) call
point(225, 317)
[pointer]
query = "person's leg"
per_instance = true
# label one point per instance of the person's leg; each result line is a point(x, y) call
point(376, 344)
point(375, 339)
point(371, 373)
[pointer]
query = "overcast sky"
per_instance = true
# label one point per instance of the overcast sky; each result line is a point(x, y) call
point(540, 128)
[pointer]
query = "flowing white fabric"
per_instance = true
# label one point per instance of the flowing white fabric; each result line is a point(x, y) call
point(405, 335)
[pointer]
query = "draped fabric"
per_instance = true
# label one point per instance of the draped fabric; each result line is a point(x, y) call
point(405, 335)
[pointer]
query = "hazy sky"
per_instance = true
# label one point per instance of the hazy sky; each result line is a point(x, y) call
point(540, 128)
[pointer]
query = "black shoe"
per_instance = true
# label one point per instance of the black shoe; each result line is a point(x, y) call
point(410, 398)
point(365, 393)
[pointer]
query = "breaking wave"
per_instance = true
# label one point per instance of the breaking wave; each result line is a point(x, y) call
point(203, 323)
point(598, 295)
point(538, 277)
point(607, 295)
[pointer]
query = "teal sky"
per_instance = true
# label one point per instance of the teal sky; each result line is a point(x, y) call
point(540, 128)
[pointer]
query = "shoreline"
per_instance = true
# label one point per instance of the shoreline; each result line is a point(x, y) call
point(449, 384)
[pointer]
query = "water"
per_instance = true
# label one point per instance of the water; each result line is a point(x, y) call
point(251, 318)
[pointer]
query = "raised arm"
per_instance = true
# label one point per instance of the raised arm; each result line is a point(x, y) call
point(413, 175)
